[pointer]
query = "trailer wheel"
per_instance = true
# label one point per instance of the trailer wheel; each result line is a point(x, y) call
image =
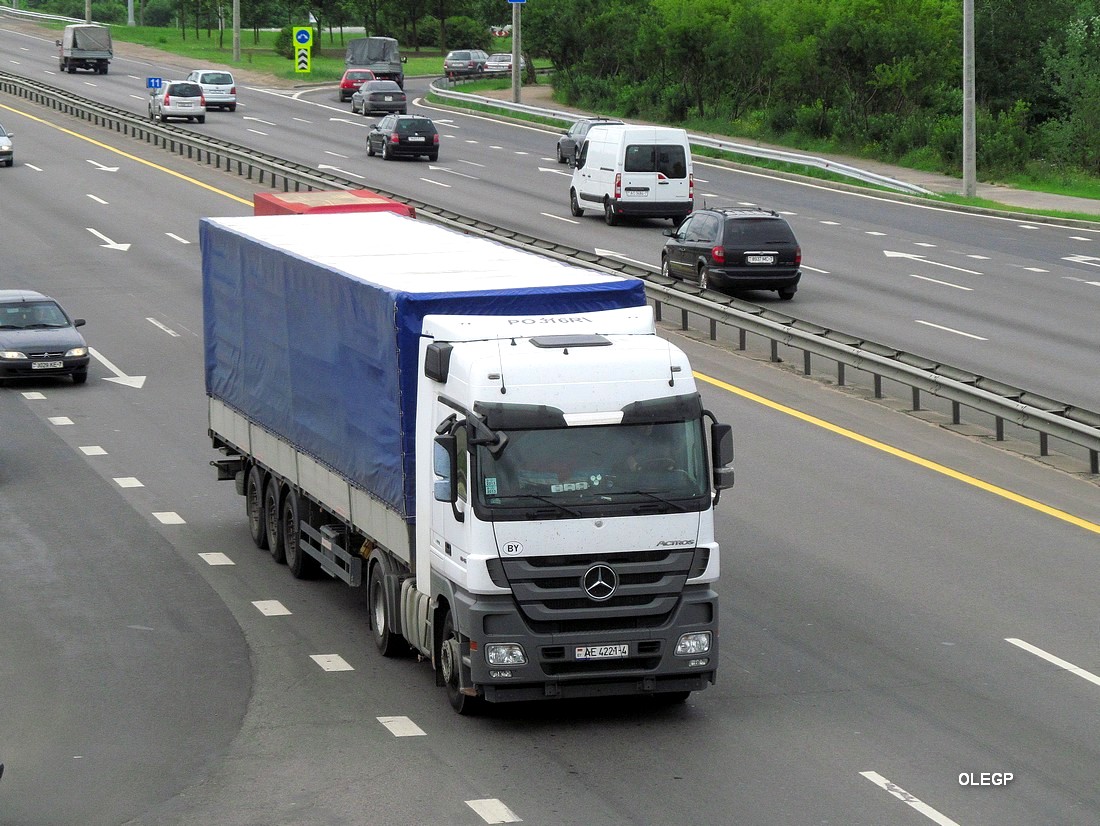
point(301, 564)
point(450, 664)
point(254, 507)
point(389, 643)
point(271, 520)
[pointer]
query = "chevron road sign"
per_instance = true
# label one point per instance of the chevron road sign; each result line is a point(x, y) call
point(303, 37)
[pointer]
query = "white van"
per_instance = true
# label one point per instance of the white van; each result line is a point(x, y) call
point(633, 171)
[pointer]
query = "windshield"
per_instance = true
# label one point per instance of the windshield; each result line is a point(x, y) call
point(31, 315)
point(595, 470)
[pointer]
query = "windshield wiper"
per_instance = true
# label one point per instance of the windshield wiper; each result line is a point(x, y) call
point(556, 505)
point(664, 500)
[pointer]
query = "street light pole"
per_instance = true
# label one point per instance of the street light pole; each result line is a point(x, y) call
point(970, 186)
point(515, 50)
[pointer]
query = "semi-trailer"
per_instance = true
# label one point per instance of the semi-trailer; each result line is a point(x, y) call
point(496, 445)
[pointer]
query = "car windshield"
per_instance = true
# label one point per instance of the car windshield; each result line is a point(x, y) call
point(217, 77)
point(574, 470)
point(381, 86)
point(185, 90)
point(3, 131)
point(31, 315)
point(360, 75)
point(459, 56)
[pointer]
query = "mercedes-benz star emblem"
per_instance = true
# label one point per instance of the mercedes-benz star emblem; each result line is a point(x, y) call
point(599, 582)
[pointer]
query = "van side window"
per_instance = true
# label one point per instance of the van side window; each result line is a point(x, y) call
point(583, 156)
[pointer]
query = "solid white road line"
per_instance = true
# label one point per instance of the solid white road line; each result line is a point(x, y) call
point(93, 450)
point(128, 482)
point(905, 797)
point(1058, 661)
point(169, 518)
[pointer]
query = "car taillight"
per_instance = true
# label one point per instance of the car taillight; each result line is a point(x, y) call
point(719, 255)
point(202, 100)
point(435, 139)
point(618, 186)
point(395, 138)
point(232, 90)
point(797, 255)
point(167, 99)
point(691, 187)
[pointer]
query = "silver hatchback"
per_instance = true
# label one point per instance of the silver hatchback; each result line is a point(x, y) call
point(218, 87)
point(177, 99)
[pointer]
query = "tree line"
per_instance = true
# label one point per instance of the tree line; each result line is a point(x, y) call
point(876, 77)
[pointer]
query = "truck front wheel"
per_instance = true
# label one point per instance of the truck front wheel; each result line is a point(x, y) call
point(301, 564)
point(450, 664)
point(389, 643)
point(271, 519)
point(254, 507)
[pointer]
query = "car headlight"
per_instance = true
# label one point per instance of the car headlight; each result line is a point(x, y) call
point(12, 354)
point(76, 352)
point(697, 642)
point(505, 653)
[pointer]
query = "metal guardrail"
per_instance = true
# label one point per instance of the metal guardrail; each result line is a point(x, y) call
point(1004, 403)
point(444, 89)
point(8, 11)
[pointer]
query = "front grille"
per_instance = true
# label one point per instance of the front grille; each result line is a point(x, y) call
point(45, 354)
point(550, 593)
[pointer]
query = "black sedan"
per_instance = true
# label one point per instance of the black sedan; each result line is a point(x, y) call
point(404, 136)
point(379, 96)
point(38, 338)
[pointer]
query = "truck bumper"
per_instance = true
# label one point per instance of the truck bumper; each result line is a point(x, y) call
point(554, 668)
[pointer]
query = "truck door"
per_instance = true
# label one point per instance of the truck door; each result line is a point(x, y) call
point(448, 520)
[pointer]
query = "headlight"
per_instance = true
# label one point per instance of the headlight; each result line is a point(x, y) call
point(697, 642)
point(505, 653)
point(12, 354)
point(77, 351)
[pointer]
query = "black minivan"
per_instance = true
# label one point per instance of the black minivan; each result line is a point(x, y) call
point(734, 249)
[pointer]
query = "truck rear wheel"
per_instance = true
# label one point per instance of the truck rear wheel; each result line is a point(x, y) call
point(301, 564)
point(450, 664)
point(389, 643)
point(271, 519)
point(254, 507)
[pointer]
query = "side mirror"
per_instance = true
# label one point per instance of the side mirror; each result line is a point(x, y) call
point(721, 455)
point(79, 322)
point(57, 42)
point(404, 59)
point(445, 468)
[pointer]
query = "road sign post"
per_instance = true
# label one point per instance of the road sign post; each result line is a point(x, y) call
point(303, 39)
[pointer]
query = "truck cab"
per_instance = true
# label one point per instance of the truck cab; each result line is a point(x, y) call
point(581, 495)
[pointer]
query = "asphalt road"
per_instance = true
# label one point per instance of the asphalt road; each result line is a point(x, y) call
point(900, 605)
point(1006, 299)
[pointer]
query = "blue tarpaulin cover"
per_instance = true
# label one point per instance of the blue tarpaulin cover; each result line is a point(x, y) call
point(312, 325)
